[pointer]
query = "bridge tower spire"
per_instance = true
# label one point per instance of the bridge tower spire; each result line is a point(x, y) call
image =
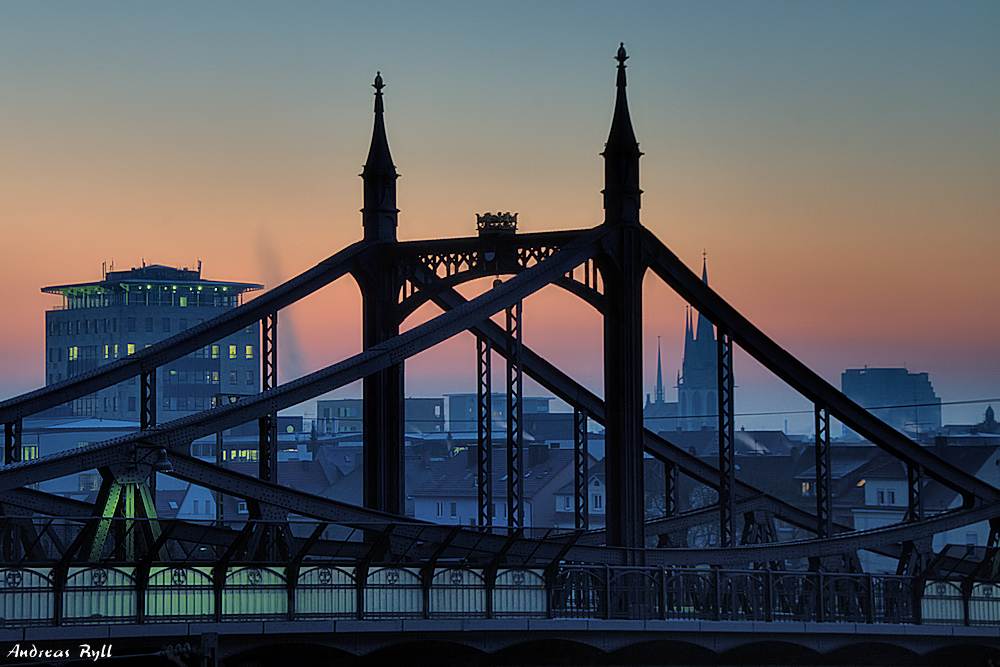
point(623, 262)
point(379, 215)
point(380, 281)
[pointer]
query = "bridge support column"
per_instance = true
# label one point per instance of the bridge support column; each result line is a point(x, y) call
point(824, 514)
point(267, 426)
point(484, 420)
point(669, 489)
point(515, 411)
point(915, 477)
point(12, 441)
point(625, 512)
point(581, 466)
point(727, 442)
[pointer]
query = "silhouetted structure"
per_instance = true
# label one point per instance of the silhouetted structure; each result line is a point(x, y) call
point(898, 397)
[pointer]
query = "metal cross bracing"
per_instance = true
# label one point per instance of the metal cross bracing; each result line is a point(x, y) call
point(727, 441)
point(824, 500)
point(515, 419)
point(605, 266)
point(484, 427)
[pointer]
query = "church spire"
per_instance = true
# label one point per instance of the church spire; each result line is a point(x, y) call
point(705, 329)
point(621, 159)
point(659, 395)
point(379, 215)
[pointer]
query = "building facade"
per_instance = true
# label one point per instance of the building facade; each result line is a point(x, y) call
point(697, 387)
point(904, 400)
point(100, 322)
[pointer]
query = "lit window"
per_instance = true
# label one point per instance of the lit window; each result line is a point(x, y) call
point(29, 452)
point(116, 350)
point(184, 302)
point(89, 482)
point(130, 348)
point(249, 351)
point(74, 353)
point(107, 351)
point(232, 351)
point(805, 488)
point(215, 351)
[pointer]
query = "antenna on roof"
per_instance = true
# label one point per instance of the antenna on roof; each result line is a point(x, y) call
point(199, 268)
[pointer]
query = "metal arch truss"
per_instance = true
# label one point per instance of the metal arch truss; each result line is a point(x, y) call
point(430, 266)
point(387, 537)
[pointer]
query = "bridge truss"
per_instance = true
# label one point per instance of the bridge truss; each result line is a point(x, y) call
point(605, 267)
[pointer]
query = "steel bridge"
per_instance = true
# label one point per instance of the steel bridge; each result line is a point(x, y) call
point(341, 576)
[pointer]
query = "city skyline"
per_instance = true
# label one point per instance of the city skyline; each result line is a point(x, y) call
point(838, 164)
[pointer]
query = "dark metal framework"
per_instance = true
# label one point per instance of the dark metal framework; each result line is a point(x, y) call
point(515, 420)
point(12, 441)
point(824, 509)
point(484, 422)
point(605, 266)
point(267, 425)
point(727, 446)
point(581, 469)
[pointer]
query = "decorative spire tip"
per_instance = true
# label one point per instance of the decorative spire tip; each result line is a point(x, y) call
point(378, 85)
point(621, 57)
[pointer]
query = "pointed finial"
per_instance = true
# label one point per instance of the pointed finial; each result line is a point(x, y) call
point(621, 57)
point(378, 85)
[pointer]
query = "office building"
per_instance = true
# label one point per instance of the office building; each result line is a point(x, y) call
point(126, 311)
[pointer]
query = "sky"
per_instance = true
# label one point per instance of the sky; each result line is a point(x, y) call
point(837, 163)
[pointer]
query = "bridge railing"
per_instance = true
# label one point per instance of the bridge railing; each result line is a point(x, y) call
point(129, 594)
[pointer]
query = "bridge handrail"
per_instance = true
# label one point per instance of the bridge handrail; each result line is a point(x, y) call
point(111, 594)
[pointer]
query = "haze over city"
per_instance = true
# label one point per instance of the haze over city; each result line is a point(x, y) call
point(839, 164)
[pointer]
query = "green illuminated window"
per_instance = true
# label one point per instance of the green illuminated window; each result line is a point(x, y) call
point(232, 352)
point(249, 351)
point(215, 351)
point(184, 301)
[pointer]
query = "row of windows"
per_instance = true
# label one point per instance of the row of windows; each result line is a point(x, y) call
point(110, 325)
point(568, 502)
point(206, 377)
point(113, 351)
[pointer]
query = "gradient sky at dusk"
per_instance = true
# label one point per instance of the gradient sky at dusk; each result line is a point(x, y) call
point(839, 162)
